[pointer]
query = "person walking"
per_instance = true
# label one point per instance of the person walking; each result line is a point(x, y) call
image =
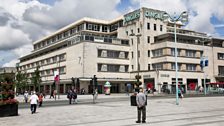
point(26, 96)
point(95, 95)
point(41, 96)
point(69, 96)
point(33, 102)
point(141, 106)
point(74, 96)
point(180, 95)
point(52, 94)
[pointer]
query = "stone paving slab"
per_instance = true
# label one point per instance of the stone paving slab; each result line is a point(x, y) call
point(201, 111)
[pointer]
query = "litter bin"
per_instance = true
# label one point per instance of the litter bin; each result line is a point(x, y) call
point(133, 100)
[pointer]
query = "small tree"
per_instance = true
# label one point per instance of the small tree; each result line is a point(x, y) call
point(36, 79)
point(21, 81)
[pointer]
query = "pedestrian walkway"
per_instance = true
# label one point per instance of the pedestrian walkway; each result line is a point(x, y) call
point(206, 111)
point(20, 98)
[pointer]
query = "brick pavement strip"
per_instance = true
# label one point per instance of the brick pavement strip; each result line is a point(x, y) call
point(207, 111)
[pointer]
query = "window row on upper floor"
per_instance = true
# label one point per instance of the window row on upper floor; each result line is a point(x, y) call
point(148, 28)
point(76, 29)
point(59, 37)
point(112, 68)
point(112, 54)
point(47, 61)
point(172, 66)
point(180, 52)
point(49, 72)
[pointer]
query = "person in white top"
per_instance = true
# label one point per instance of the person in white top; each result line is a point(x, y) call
point(26, 96)
point(33, 102)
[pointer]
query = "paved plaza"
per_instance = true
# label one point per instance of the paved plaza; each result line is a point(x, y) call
point(206, 111)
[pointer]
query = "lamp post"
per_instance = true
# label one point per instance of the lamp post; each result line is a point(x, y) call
point(137, 77)
point(183, 17)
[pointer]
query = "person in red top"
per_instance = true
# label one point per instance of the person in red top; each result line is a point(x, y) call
point(40, 99)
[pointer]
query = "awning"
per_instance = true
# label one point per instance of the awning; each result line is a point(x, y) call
point(215, 83)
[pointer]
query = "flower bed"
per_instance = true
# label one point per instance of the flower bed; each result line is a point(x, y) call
point(8, 105)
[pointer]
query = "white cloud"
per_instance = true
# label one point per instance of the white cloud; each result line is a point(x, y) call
point(29, 20)
point(12, 63)
point(12, 38)
point(68, 11)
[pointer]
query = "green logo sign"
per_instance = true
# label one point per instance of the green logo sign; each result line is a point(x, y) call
point(132, 16)
point(154, 14)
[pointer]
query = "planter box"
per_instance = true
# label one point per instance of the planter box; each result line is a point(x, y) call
point(9, 110)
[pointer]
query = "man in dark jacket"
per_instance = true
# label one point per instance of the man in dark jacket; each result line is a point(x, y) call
point(69, 96)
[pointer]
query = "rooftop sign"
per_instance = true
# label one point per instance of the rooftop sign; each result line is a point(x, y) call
point(154, 14)
point(132, 16)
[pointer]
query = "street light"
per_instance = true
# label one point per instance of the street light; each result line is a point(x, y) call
point(137, 77)
point(203, 58)
point(183, 17)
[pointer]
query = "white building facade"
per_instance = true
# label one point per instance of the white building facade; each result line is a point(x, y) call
point(109, 49)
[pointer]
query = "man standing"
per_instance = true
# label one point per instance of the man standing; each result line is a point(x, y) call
point(33, 102)
point(26, 96)
point(141, 106)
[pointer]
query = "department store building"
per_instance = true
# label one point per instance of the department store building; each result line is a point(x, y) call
point(112, 49)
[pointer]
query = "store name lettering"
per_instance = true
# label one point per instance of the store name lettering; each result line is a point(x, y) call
point(154, 14)
point(132, 16)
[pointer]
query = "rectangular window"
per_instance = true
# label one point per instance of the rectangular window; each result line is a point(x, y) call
point(138, 30)
point(221, 56)
point(90, 26)
point(157, 53)
point(61, 57)
point(132, 67)
point(148, 66)
point(190, 53)
point(113, 68)
point(221, 70)
point(191, 67)
point(148, 39)
point(132, 55)
point(180, 80)
point(127, 33)
point(62, 70)
point(42, 62)
point(173, 52)
point(148, 53)
point(104, 28)
point(161, 27)
point(154, 27)
point(132, 31)
point(132, 41)
point(173, 66)
point(48, 61)
point(54, 59)
point(148, 26)
point(157, 66)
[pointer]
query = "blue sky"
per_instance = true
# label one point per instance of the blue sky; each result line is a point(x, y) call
point(30, 20)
